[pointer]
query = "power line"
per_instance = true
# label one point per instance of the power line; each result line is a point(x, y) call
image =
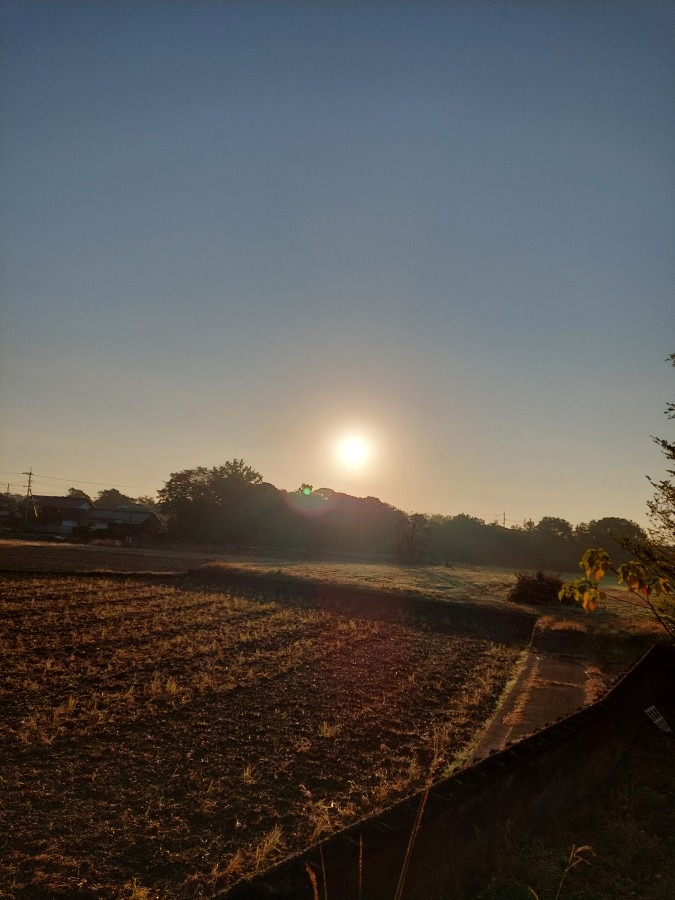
point(503, 518)
point(140, 487)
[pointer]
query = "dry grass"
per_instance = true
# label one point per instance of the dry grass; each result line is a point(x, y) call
point(161, 741)
point(489, 585)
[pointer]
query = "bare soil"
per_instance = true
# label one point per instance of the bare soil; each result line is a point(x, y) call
point(46, 556)
point(162, 739)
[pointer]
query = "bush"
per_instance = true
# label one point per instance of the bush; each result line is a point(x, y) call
point(539, 588)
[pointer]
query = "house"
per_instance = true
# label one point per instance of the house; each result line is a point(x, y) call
point(9, 511)
point(54, 515)
point(69, 516)
point(124, 522)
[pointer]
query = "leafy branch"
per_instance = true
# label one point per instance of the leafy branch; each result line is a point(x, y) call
point(647, 578)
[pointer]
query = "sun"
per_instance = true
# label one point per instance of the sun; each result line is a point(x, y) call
point(353, 452)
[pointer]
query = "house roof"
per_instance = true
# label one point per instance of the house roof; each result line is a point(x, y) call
point(62, 502)
point(125, 514)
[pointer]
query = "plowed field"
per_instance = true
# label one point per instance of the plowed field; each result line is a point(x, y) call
point(169, 739)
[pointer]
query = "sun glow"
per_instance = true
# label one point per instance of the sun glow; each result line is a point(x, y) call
point(353, 452)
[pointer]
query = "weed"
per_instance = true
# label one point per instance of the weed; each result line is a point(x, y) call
point(411, 844)
point(136, 892)
point(318, 813)
point(269, 845)
point(207, 808)
point(312, 880)
point(576, 858)
point(414, 769)
point(235, 865)
point(326, 730)
point(440, 736)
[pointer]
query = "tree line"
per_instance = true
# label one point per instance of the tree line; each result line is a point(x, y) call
point(232, 504)
point(111, 498)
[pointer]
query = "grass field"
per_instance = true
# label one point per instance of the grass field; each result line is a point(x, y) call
point(443, 582)
point(479, 584)
point(163, 739)
point(482, 586)
point(448, 583)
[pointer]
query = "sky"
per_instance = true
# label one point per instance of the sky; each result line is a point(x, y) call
point(252, 229)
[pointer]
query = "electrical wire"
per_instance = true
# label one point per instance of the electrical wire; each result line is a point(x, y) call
point(140, 487)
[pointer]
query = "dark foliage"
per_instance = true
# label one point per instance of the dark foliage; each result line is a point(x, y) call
point(232, 505)
point(538, 589)
point(110, 498)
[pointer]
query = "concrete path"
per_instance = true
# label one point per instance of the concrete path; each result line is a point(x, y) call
point(559, 677)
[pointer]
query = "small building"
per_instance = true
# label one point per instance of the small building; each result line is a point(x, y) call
point(9, 511)
point(127, 523)
point(77, 516)
point(54, 515)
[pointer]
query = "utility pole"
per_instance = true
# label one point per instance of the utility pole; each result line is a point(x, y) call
point(504, 520)
point(29, 494)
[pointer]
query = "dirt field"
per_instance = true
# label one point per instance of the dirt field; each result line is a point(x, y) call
point(170, 737)
point(43, 556)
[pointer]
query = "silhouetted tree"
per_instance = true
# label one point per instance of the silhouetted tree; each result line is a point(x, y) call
point(466, 539)
point(213, 504)
point(611, 531)
point(146, 500)
point(551, 526)
point(412, 538)
point(236, 470)
point(77, 493)
point(111, 498)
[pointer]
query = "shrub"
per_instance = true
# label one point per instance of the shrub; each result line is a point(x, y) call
point(539, 588)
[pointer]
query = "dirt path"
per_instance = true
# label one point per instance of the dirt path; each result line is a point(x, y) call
point(559, 676)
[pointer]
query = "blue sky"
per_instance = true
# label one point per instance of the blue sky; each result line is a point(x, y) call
point(247, 229)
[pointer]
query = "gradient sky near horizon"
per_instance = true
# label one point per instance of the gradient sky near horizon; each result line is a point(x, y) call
point(249, 229)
